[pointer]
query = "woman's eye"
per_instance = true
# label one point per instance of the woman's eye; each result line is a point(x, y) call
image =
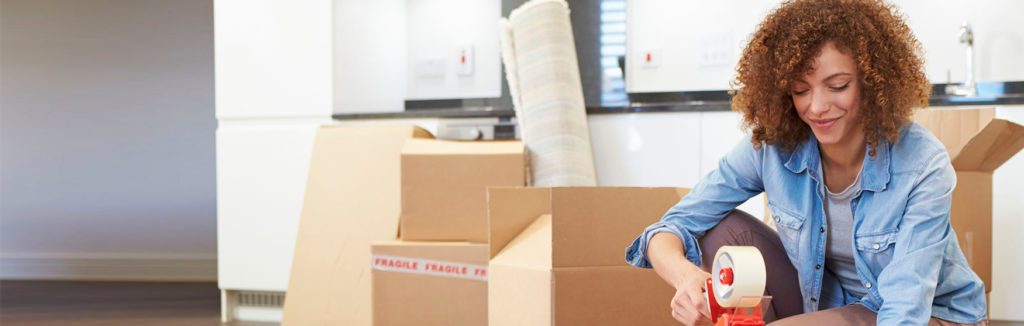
point(839, 88)
point(800, 92)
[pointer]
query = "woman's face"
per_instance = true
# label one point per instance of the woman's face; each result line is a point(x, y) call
point(828, 97)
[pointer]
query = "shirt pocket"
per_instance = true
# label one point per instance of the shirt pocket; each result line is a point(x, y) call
point(787, 225)
point(876, 248)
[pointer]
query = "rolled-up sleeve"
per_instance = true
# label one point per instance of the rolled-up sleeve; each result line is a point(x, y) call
point(736, 179)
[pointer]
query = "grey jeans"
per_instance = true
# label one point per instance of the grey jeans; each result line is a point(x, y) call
point(741, 229)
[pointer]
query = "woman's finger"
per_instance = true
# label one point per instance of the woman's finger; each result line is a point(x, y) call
point(699, 303)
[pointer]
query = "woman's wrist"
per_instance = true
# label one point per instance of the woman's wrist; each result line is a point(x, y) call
point(666, 254)
point(690, 274)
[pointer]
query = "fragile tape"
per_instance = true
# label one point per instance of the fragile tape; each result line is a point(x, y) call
point(429, 267)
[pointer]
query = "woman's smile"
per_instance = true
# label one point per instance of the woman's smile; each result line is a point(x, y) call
point(823, 125)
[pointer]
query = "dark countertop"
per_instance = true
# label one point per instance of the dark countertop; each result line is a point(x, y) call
point(996, 93)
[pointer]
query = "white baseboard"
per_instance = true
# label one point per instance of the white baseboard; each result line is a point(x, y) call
point(108, 267)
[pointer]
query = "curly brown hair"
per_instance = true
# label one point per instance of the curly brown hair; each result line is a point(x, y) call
point(781, 50)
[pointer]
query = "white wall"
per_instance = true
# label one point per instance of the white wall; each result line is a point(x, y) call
point(679, 34)
point(436, 31)
point(369, 56)
point(382, 50)
point(272, 55)
point(683, 31)
point(106, 144)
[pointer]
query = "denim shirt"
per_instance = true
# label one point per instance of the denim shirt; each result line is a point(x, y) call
point(905, 251)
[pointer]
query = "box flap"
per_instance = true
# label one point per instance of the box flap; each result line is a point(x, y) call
point(954, 127)
point(447, 147)
point(592, 225)
point(530, 249)
point(349, 204)
point(511, 210)
point(995, 144)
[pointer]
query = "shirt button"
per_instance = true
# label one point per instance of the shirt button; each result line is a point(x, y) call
point(821, 229)
point(877, 246)
point(867, 285)
point(818, 266)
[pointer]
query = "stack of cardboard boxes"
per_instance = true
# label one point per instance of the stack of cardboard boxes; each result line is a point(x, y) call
point(401, 229)
point(436, 272)
point(476, 247)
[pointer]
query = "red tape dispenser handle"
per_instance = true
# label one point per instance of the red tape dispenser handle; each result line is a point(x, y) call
point(735, 290)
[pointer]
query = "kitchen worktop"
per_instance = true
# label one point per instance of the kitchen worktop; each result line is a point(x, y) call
point(993, 93)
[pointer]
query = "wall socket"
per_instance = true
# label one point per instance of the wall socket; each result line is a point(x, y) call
point(717, 50)
point(431, 67)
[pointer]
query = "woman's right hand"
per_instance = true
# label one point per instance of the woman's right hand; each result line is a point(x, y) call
point(688, 305)
point(665, 251)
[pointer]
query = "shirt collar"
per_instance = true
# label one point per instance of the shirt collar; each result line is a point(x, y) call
point(874, 174)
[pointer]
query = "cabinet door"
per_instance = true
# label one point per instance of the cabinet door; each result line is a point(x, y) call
point(646, 149)
point(261, 180)
point(720, 132)
point(1007, 224)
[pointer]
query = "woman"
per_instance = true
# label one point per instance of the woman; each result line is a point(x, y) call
point(860, 195)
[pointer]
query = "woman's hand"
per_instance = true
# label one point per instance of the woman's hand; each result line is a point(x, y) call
point(665, 252)
point(688, 305)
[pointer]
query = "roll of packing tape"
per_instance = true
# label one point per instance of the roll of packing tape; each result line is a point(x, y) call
point(738, 276)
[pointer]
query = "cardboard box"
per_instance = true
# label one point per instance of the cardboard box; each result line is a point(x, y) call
point(978, 143)
point(352, 200)
point(444, 186)
point(429, 283)
point(557, 256)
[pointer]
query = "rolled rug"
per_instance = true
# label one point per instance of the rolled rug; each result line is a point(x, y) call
point(539, 54)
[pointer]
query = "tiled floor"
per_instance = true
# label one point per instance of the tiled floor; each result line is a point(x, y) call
point(43, 303)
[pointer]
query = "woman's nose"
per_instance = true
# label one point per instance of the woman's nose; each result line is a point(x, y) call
point(819, 104)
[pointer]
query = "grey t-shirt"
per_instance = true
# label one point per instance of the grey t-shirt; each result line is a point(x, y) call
point(839, 246)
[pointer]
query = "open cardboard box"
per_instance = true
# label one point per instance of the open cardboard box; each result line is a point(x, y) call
point(557, 256)
point(978, 144)
point(352, 200)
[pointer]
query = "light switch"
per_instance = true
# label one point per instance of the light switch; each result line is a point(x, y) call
point(465, 60)
point(650, 58)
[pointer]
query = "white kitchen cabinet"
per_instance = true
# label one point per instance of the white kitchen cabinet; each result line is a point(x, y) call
point(646, 149)
point(261, 180)
point(274, 70)
point(719, 133)
point(664, 149)
point(1007, 225)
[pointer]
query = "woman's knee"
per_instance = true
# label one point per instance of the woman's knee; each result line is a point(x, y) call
point(733, 228)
